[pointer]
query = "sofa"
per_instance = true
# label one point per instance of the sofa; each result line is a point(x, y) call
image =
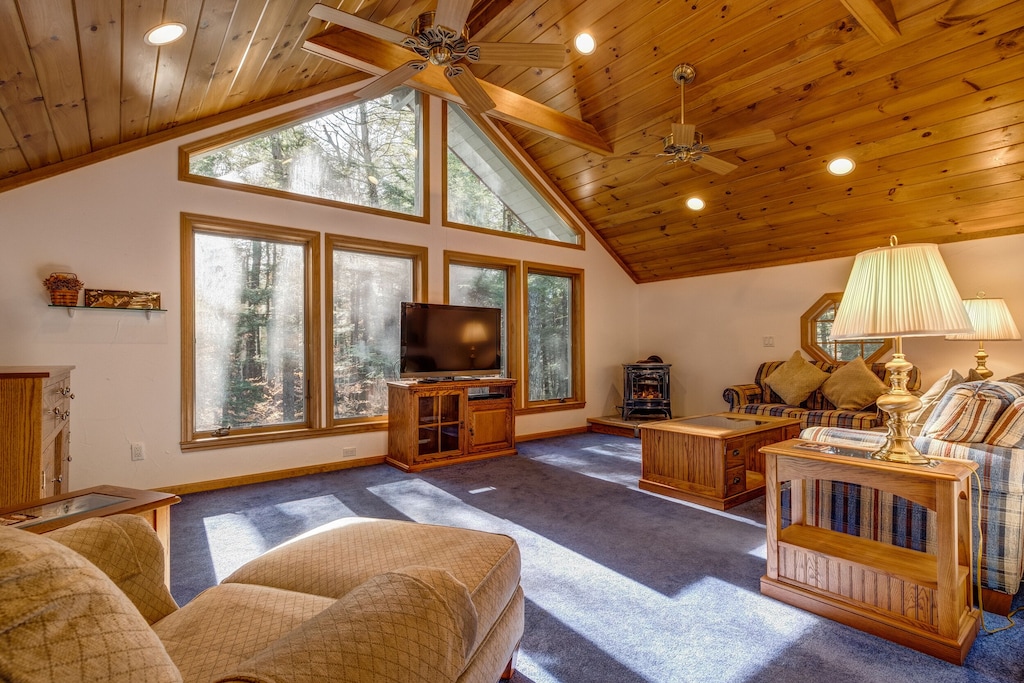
point(979, 421)
point(359, 600)
point(758, 398)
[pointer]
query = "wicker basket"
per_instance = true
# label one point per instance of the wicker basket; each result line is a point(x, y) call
point(64, 297)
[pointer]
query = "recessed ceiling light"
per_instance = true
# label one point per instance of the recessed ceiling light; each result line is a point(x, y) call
point(695, 203)
point(165, 33)
point(585, 43)
point(841, 166)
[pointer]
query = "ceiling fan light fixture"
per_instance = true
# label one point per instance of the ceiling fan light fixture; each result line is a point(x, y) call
point(584, 43)
point(694, 203)
point(841, 166)
point(165, 33)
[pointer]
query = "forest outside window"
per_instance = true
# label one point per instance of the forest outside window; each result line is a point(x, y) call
point(554, 340)
point(368, 282)
point(485, 190)
point(366, 153)
point(816, 333)
point(249, 329)
point(473, 280)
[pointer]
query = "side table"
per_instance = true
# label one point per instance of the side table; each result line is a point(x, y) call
point(913, 598)
point(59, 511)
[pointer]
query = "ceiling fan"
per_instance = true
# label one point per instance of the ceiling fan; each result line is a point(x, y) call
point(687, 145)
point(441, 38)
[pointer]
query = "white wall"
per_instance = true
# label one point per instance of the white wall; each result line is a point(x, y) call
point(117, 225)
point(711, 328)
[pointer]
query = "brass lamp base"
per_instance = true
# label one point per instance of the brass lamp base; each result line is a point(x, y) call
point(982, 357)
point(899, 445)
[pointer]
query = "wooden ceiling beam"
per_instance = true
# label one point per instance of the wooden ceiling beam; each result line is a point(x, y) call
point(378, 57)
point(877, 17)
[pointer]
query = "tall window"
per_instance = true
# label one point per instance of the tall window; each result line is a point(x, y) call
point(485, 281)
point(369, 281)
point(554, 323)
point(249, 350)
point(485, 190)
point(365, 153)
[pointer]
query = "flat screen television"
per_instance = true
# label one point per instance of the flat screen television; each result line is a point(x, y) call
point(441, 340)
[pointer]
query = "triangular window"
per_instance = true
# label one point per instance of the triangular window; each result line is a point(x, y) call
point(485, 190)
point(365, 153)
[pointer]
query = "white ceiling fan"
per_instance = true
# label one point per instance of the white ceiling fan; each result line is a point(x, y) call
point(687, 145)
point(441, 38)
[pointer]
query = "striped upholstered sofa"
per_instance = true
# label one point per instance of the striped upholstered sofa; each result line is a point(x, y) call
point(759, 399)
point(987, 421)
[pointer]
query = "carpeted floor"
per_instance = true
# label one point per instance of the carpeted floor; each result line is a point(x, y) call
point(621, 585)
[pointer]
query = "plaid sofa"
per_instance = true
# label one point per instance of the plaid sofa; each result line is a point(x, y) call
point(874, 514)
point(759, 399)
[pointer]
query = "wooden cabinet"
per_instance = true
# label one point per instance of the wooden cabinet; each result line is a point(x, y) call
point(918, 599)
point(431, 424)
point(35, 412)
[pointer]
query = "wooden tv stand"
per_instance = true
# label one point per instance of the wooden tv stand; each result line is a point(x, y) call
point(433, 424)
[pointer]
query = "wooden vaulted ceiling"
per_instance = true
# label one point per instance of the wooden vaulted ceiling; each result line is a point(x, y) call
point(927, 96)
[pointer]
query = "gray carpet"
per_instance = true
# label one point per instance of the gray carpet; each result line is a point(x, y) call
point(621, 585)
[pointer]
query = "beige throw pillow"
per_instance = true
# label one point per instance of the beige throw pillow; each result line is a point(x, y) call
point(930, 399)
point(853, 386)
point(795, 379)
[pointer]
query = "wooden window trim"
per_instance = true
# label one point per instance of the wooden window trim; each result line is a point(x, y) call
point(196, 223)
point(293, 117)
point(419, 286)
point(578, 399)
point(511, 267)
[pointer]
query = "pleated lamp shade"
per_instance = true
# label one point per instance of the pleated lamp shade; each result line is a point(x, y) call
point(903, 290)
point(992, 321)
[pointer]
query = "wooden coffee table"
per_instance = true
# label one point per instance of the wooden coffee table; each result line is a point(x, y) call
point(712, 460)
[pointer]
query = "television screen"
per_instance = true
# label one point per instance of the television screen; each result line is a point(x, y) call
point(440, 340)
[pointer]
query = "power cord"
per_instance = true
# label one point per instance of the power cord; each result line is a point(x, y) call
point(977, 570)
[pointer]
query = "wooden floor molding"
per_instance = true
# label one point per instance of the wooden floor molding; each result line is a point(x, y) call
point(548, 435)
point(228, 482)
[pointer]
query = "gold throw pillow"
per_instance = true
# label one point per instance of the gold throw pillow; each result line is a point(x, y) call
point(853, 386)
point(795, 379)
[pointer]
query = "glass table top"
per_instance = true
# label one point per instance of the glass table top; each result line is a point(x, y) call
point(39, 514)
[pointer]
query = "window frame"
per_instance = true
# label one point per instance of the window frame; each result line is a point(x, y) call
point(529, 172)
point(578, 399)
point(808, 333)
point(514, 316)
point(333, 241)
point(269, 125)
point(191, 224)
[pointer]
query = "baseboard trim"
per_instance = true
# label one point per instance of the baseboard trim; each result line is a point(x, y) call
point(548, 435)
point(260, 477)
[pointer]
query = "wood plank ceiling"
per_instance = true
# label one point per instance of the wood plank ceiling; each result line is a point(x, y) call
point(929, 103)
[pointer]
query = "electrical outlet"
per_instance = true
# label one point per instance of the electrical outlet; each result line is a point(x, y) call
point(348, 452)
point(768, 341)
point(138, 450)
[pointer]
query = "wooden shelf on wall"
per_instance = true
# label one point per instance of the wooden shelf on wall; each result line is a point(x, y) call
point(71, 309)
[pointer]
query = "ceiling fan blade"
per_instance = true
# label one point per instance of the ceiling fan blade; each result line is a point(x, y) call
point(717, 165)
point(757, 137)
point(682, 133)
point(390, 80)
point(336, 16)
point(452, 13)
point(544, 55)
point(469, 89)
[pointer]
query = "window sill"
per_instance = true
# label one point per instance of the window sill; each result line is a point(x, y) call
point(551, 407)
point(248, 439)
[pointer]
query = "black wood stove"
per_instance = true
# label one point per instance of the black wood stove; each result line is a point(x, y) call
point(645, 390)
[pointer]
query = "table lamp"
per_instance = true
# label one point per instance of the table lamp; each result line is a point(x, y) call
point(992, 322)
point(899, 291)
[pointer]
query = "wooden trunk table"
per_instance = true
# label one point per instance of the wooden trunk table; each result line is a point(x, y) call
point(712, 460)
point(913, 598)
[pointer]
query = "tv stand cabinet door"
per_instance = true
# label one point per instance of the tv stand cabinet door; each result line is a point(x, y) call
point(490, 426)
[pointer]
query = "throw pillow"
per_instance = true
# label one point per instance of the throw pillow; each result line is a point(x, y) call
point(853, 386)
point(1009, 428)
point(795, 379)
point(930, 399)
point(968, 412)
point(1014, 379)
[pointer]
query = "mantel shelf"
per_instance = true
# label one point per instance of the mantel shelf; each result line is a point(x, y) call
point(148, 311)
